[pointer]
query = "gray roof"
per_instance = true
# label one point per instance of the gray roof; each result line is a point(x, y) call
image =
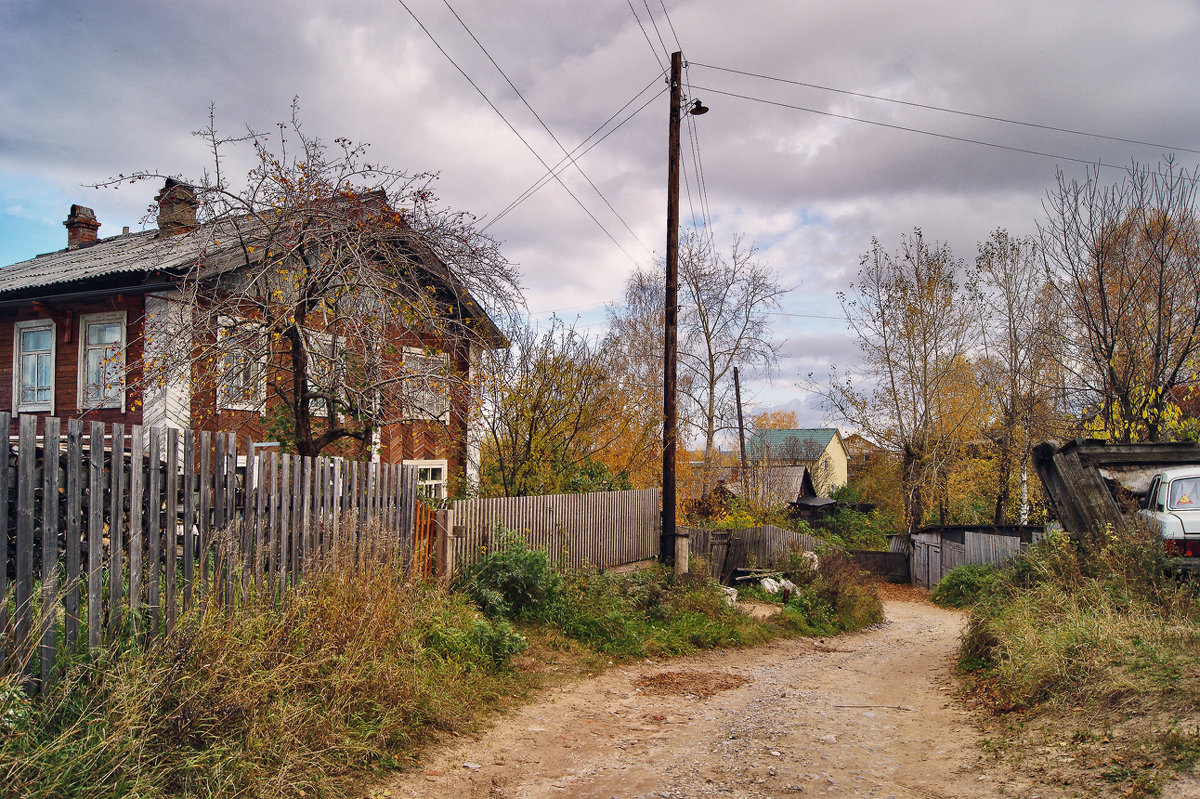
point(128, 253)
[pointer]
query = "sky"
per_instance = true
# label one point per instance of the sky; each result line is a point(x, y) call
point(830, 124)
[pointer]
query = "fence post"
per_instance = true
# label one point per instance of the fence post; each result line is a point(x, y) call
point(444, 520)
point(682, 542)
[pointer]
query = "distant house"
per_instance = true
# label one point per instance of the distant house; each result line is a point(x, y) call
point(819, 450)
point(78, 324)
point(860, 453)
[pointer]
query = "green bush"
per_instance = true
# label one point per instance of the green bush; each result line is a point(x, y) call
point(513, 581)
point(963, 585)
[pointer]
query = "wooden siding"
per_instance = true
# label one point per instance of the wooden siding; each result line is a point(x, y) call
point(604, 529)
point(933, 555)
point(66, 316)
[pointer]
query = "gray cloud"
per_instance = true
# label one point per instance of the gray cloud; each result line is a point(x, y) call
point(88, 90)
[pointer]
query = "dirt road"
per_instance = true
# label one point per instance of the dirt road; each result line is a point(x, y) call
point(869, 714)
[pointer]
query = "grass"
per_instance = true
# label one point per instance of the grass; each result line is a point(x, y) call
point(352, 675)
point(1094, 645)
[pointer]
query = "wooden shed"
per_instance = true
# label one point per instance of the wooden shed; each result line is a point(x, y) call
point(935, 550)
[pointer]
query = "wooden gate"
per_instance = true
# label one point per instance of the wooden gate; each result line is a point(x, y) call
point(424, 542)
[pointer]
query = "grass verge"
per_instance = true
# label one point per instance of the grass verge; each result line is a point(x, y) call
point(350, 676)
point(1087, 652)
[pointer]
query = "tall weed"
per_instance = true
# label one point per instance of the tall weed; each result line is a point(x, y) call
point(340, 678)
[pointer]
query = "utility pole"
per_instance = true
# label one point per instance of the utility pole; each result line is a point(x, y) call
point(737, 397)
point(666, 542)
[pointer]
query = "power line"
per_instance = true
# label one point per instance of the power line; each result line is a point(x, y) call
point(577, 152)
point(647, 35)
point(892, 126)
point(945, 110)
point(546, 127)
point(517, 133)
point(657, 32)
point(671, 25)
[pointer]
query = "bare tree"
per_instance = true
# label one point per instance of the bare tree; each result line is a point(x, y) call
point(913, 315)
point(1125, 259)
point(1020, 337)
point(724, 322)
point(329, 292)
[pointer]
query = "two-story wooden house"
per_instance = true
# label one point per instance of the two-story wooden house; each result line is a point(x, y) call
point(84, 324)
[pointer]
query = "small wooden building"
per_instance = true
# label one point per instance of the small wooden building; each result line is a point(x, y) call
point(935, 550)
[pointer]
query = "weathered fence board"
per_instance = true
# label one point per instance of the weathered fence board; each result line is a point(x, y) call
point(607, 529)
point(167, 519)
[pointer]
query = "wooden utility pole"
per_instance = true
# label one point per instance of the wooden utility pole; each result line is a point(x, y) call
point(666, 542)
point(737, 397)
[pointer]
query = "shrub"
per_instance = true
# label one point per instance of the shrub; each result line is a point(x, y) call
point(963, 585)
point(513, 581)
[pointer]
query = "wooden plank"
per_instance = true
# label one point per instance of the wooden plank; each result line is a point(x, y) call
point(261, 486)
point(189, 516)
point(73, 528)
point(285, 520)
point(273, 533)
point(249, 527)
point(307, 522)
point(205, 520)
point(95, 530)
point(297, 517)
point(5, 486)
point(52, 443)
point(171, 527)
point(116, 522)
point(154, 531)
point(26, 485)
point(137, 499)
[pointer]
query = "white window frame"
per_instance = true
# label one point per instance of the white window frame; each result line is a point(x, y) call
point(242, 401)
point(425, 395)
point(438, 484)
point(19, 328)
point(117, 401)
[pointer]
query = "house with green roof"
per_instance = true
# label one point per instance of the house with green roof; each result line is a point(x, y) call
point(820, 450)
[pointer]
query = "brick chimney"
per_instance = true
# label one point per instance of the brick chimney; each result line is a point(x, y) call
point(81, 227)
point(177, 205)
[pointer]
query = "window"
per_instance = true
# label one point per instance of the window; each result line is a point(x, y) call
point(427, 390)
point(324, 370)
point(102, 361)
point(33, 366)
point(243, 365)
point(431, 479)
point(1185, 493)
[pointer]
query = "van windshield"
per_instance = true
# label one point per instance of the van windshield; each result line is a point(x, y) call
point(1185, 493)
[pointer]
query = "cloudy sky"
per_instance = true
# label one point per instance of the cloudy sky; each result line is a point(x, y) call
point(810, 172)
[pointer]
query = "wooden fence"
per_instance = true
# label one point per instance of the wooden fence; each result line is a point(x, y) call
point(608, 529)
point(133, 528)
point(763, 546)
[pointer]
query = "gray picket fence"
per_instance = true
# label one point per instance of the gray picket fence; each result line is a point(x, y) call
point(134, 527)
